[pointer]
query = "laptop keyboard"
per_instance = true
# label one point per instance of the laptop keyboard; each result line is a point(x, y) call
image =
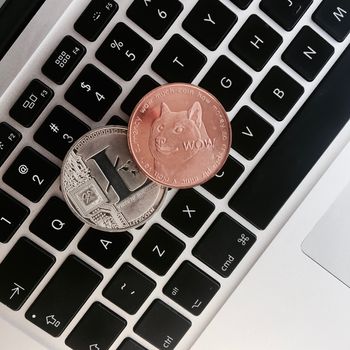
point(153, 257)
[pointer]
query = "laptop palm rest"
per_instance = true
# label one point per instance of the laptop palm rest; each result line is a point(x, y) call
point(328, 244)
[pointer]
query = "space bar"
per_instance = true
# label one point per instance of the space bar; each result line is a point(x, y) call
point(297, 149)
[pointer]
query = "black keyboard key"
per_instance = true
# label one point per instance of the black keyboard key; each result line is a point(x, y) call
point(142, 87)
point(129, 288)
point(56, 224)
point(158, 249)
point(188, 211)
point(103, 247)
point(255, 42)
point(224, 245)
point(222, 182)
point(191, 288)
point(31, 103)
point(93, 92)
point(31, 174)
point(63, 296)
point(308, 53)
point(242, 4)
point(209, 22)
point(116, 120)
point(154, 16)
point(9, 139)
point(21, 271)
point(123, 51)
point(59, 131)
point(226, 81)
point(95, 18)
point(333, 16)
point(284, 166)
point(286, 13)
point(162, 326)
point(178, 60)
point(97, 330)
point(12, 214)
point(63, 60)
point(277, 93)
point(130, 344)
point(249, 132)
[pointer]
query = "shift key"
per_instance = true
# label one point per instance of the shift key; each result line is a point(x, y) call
point(63, 296)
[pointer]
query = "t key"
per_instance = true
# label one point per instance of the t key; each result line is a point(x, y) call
point(21, 271)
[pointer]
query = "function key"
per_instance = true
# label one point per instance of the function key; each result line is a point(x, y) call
point(21, 271)
point(59, 130)
point(129, 288)
point(158, 249)
point(63, 60)
point(31, 103)
point(277, 93)
point(154, 16)
point(103, 247)
point(95, 17)
point(188, 211)
point(242, 4)
point(124, 51)
point(9, 139)
point(255, 43)
point(209, 22)
point(191, 288)
point(334, 17)
point(222, 182)
point(249, 132)
point(98, 329)
point(308, 53)
point(178, 60)
point(286, 13)
point(162, 326)
point(31, 174)
point(12, 214)
point(142, 87)
point(70, 287)
point(130, 344)
point(226, 81)
point(224, 245)
point(93, 92)
point(56, 224)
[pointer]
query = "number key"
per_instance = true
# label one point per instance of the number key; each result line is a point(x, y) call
point(12, 214)
point(59, 130)
point(31, 174)
point(123, 51)
point(154, 16)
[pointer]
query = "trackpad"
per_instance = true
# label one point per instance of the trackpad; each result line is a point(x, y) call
point(329, 242)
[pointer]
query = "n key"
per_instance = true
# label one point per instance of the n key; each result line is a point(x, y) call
point(21, 271)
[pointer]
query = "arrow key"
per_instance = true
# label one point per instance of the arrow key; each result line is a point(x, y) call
point(104, 247)
point(18, 277)
point(249, 132)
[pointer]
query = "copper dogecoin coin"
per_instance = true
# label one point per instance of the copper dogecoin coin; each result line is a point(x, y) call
point(179, 135)
point(103, 186)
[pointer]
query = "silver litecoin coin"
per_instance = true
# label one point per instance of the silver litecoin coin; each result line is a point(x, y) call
point(103, 186)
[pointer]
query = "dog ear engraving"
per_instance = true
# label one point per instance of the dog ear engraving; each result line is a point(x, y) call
point(195, 114)
point(165, 109)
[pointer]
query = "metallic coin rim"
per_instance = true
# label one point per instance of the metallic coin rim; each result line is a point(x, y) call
point(158, 203)
point(131, 149)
